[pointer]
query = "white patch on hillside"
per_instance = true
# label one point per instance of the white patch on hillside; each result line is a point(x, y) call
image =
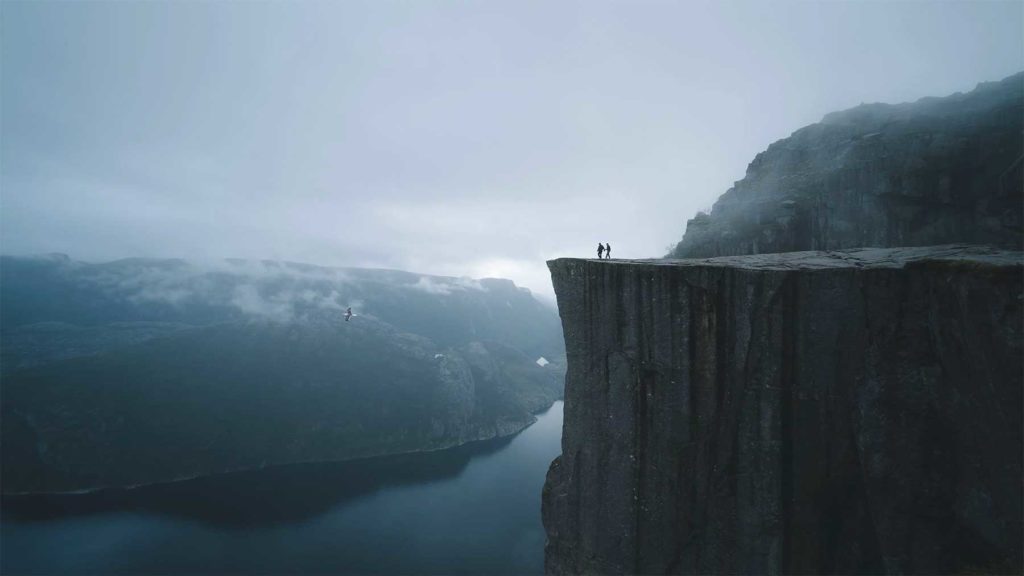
point(445, 286)
point(278, 291)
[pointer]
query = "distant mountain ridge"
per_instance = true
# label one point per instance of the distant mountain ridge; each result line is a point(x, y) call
point(141, 371)
point(56, 288)
point(935, 171)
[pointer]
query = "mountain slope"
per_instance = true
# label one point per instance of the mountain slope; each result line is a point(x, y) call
point(230, 370)
point(935, 171)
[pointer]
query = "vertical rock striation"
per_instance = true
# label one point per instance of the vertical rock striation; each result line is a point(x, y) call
point(855, 411)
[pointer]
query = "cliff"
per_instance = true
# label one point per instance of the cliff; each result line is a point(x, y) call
point(815, 412)
point(936, 171)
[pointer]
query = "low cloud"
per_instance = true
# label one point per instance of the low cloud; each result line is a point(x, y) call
point(277, 291)
point(248, 299)
point(445, 286)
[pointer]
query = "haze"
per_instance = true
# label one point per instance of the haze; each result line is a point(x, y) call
point(455, 138)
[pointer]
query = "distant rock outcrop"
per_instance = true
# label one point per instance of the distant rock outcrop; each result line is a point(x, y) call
point(805, 413)
point(935, 171)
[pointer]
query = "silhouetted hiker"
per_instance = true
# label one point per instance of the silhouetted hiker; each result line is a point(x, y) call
point(600, 250)
point(608, 251)
point(348, 314)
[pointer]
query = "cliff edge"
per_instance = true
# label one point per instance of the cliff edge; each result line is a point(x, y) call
point(811, 412)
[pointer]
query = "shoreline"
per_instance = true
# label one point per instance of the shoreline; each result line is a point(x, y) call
point(115, 488)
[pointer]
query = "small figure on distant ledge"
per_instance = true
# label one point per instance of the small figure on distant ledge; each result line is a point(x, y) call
point(348, 313)
point(600, 250)
point(608, 251)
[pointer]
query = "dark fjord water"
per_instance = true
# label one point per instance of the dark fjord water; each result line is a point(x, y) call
point(469, 510)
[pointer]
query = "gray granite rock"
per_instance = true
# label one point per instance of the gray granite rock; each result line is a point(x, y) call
point(815, 412)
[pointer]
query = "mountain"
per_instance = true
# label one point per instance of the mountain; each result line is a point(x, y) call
point(936, 171)
point(141, 371)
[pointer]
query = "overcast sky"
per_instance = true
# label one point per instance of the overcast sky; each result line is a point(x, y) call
point(454, 138)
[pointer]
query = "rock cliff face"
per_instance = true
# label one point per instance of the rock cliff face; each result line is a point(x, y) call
point(935, 171)
point(854, 411)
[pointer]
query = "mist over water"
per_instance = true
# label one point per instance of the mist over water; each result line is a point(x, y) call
point(469, 510)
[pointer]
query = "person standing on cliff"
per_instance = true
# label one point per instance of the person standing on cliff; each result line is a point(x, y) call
point(608, 251)
point(600, 250)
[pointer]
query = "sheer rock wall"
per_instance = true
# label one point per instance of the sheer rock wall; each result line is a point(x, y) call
point(854, 411)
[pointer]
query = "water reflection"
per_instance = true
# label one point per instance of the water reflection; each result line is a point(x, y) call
point(468, 510)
